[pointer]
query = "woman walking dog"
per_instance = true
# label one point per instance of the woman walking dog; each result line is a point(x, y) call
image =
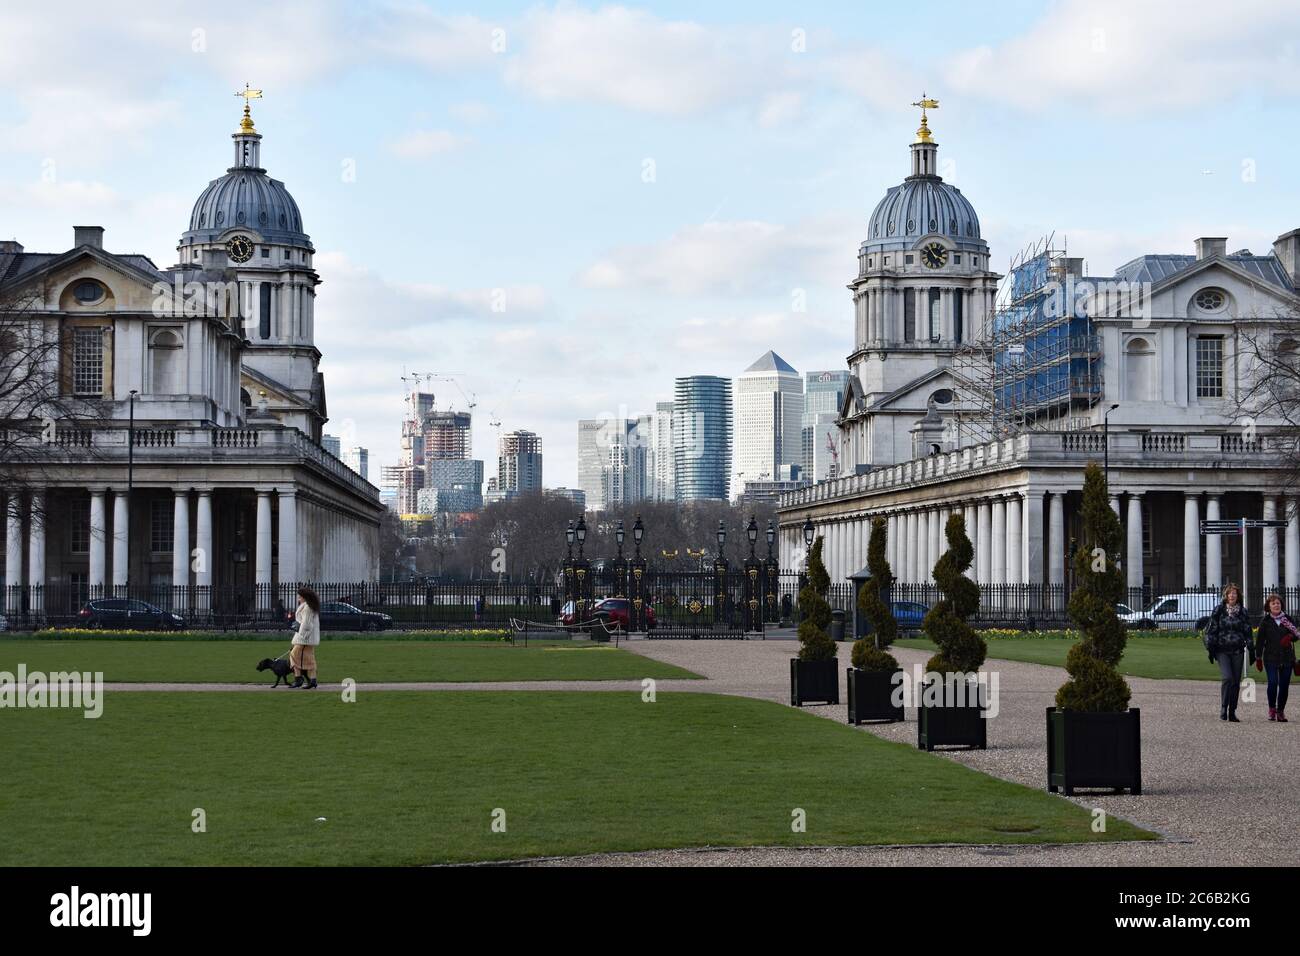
point(303, 655)
point(1227, 639)
point(1275, 653)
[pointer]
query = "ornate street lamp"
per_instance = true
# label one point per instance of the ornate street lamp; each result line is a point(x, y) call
point(722, 537)
point(808, 532)
point(620, 566)
point(721, 611)
point(752, 533)
point(581, 573)
point(753, 589)
point(618, 537)
point(568, 536)
point(771, 536)
point(773, 575)
point(581, 533)
point(637, 589)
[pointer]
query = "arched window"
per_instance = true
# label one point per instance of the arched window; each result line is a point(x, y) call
point(1141, 374)
point(166, 362)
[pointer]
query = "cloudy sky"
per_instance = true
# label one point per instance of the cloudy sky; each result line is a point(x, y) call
point(564, 206)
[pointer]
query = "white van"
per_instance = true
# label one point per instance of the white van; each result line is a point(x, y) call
point(1175, 611)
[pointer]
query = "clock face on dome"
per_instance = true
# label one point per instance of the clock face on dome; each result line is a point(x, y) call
point(240, 249)
point(934, 255)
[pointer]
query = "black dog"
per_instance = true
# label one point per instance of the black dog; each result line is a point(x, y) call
point(279, 667)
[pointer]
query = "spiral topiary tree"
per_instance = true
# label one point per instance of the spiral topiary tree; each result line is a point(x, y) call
point(815, 610)
point(1095, 684)
point(961, 650)
point(872, 653)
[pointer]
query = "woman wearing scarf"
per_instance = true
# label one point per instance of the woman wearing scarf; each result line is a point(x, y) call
point(1275, 653)
point(1227, 639)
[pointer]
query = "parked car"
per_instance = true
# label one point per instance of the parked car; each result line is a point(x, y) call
point(123, 613)
point(1173, 611)
point(341, 616)
point(614, 613)
point(908, 615)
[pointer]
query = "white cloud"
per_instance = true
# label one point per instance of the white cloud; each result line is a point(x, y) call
point(737, 258)
point(421, 144)
point(1130, 57)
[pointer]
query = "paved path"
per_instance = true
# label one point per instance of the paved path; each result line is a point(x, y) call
point(1220, 793)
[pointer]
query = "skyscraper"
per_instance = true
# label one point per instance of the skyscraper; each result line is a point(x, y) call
point(768, 400)
point(660, 462)
point(358, 459)
point(446, 435)
point(519, 462)
point(612, 461)
point(702, 437)
point(330, 443)
point(823, 393)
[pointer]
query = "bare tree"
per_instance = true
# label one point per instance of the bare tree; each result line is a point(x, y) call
point(1267, 409)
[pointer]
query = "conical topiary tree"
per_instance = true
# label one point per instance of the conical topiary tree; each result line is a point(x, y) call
point(872, 653)
point(1095, 684)
point(815, 610)
point(961, 650)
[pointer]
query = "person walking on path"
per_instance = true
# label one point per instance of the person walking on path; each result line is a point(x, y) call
point(1275, 653)
point(1228, 639)
point(302, 658)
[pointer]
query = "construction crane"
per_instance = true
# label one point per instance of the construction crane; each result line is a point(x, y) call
point(494, 416)
point(835, 455)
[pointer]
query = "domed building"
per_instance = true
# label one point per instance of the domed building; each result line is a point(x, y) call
point(923, 289)
point(182, 463)
point(255, 222)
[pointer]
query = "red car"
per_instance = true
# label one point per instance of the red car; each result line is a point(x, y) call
point(614, 613)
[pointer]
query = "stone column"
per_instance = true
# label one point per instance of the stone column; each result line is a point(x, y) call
point(984, 521)
point(968, 514)
point(98, 535)
point(1034, 538)
point(914, 556)
point(891, 543)
point(1015, 556)
point(181, 547)
point(936, 544)
point(203, 542)
point(998, 565)
point(1191, 540)
point(262, 565)
point(1292, 517)
point(1056, 540)
point(1213, 545)
point(36, 553)
point(1133, 559)
point(1114, 506)
point(121, 532)
point(1271, 576)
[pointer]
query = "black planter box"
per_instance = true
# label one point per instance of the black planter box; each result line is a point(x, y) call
point(950, 725)
point(1094, 751)
point(871, 696)
point(814, 682)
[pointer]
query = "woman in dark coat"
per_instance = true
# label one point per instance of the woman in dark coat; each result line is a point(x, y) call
point(1228, 639)
point(1275, 653)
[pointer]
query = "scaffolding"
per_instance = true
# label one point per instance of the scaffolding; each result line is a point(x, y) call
point(1036, 366)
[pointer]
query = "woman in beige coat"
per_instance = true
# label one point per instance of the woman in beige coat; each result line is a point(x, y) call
point(302, 657)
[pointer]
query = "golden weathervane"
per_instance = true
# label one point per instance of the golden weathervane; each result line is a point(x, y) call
point(248, 93)
point(925, 103)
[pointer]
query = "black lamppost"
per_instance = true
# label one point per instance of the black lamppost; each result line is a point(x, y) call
point(773, 575)
point(753, 589)
point(569, 594)
point(721, 611)
point(581, 573)
point(637, 589)
point(620, 566)
point(809, 532)
point(130, 480)
point(1105, 440)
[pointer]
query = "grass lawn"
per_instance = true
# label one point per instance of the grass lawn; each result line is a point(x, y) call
point(1146, 656)
point(363, 661)
point(410, 778)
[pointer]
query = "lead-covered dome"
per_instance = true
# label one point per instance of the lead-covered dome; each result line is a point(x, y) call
point(249, 198)
point(920, 206)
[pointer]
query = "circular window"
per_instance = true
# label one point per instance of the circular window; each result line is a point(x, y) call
point(942, 397)
point(933, 225)
point(891, 227)
point(284, 220)
point(88, 292)
point(911, 224)
point(262, 217)
point(1210, 300)
point(239, 217)
point(220, 218)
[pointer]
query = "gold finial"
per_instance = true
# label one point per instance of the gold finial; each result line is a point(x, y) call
point(248, 93)
point(923, 134)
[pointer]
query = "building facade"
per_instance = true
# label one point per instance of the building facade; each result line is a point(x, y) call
point(768, 403)
point(519, 462)
point(823, 393)
point(186, 408)
point(1162, 354)
point(702, 430)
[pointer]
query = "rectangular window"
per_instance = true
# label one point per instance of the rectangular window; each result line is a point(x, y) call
point(909, 315)
point(264, 310)
point(934, 315)
point(1146, 531)
point(908, 260)
point(956, 258)
point(161, 529)
point(1209, 366)
point(959, 316)
point(79, 528)
point(88, 361)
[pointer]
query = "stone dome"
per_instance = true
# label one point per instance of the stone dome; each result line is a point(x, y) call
point(921, 206)
point(250, 199)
